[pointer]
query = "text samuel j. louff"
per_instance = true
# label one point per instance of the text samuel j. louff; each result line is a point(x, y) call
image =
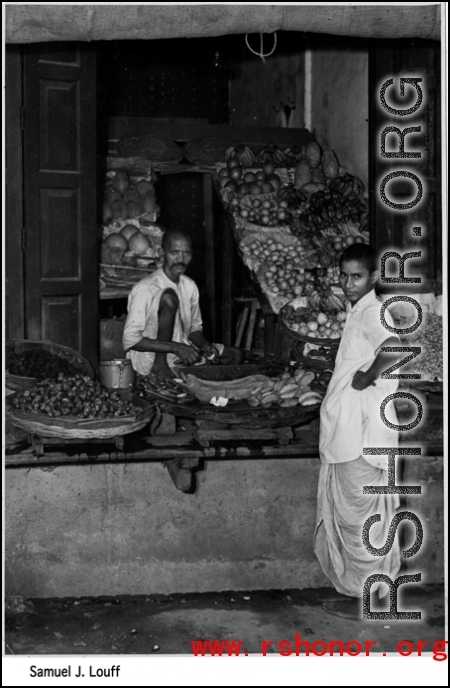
point(67, 671)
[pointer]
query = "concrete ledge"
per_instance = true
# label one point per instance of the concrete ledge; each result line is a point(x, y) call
point(124, 528)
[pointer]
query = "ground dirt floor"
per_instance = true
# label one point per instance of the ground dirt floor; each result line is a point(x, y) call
point(167, 624)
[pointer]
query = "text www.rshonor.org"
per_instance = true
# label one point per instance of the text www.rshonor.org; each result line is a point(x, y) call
point(318, 648)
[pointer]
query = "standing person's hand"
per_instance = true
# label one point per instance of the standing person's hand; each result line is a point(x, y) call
point(187, 354)
point(361, 382)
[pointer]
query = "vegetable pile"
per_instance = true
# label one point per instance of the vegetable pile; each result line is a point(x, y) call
point(75, 396)
point(288, 389)
point(39, 364)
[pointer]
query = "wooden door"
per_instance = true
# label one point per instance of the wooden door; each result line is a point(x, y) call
point(14, 291)
point(393, 229)
point(61, 290)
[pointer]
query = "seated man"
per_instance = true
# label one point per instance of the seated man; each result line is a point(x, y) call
point(164, 321)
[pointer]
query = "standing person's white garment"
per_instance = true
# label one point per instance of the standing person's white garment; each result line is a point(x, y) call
point(350, 421)
point(142, 319)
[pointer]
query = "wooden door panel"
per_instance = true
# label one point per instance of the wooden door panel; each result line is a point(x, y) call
point(14, 267)
point(59, 144)
point(59, 222)
point(57, 53)
point(60, 202)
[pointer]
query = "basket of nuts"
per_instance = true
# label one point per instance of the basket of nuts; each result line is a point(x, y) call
point(76, 407)
point(28, 362)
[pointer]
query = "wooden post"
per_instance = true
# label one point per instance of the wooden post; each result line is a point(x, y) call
point(241, 327)
point(208, 199)
point(251, 324)
point(269, 333)
point(182, 472)
point(227, 280)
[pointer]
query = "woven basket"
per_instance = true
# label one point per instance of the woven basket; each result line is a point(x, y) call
point(302, 338)
point(318, 365)
point(77, 428)
point(18, 346)
point(239, 413)
point(231, 372)
point(290, 345)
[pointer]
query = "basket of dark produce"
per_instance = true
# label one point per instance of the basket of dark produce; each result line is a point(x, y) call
point(28, 362)
point(305, 346)
point(76, 407)
point(258, 400)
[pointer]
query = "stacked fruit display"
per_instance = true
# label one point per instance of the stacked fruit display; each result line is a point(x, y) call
point(332, 247)
point(263, 211)
point(330, 208)
point(125, 200)
point(280, 265)
point(271, 154)
point(256, 181)
point(313, 323)
point(129, 238)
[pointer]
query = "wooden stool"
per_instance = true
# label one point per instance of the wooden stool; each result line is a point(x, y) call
point(251, 306)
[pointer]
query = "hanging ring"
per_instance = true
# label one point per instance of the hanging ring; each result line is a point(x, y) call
point(261, 53)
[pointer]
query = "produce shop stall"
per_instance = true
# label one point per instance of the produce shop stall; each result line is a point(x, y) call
point(228, 501)
point(291, 212)
point(256, 412)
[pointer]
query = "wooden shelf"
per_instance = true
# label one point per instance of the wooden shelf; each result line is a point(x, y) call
point(114, 293)
point(180, 129)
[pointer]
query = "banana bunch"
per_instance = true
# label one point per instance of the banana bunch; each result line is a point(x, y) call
point(327, 302)
point(348, 185)
point(291, 194)
point(335, 303)
point(287, 391)
point(271, 154)
point(293, 155)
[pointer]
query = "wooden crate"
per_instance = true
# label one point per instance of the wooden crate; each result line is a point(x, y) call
point(206, 431)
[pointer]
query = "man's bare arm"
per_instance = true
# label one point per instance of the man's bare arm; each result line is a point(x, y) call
point(383, 360)
point(187, 354)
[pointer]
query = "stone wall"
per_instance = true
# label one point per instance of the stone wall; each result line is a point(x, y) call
point(125, 529)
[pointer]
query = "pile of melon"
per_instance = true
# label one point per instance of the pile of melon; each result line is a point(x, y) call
point(125, 200)
point(130, 238)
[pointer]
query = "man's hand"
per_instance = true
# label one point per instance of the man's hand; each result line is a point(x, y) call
point(187, 354)
point(210, 351)
point(361, 382)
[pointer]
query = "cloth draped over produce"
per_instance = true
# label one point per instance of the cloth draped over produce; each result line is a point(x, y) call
point(61, 22)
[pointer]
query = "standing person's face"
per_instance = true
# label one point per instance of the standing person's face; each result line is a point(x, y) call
point(356, 280)
point(177, 256)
